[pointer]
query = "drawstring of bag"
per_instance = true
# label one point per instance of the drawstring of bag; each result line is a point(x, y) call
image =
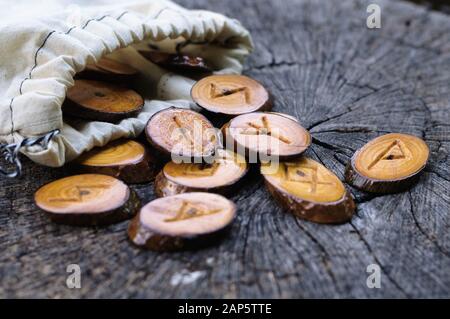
point(10, 152)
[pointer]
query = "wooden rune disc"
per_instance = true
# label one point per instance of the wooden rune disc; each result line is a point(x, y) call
point(87, 199)
point(387, 164)
point(266, 134)
point(127, 160)
point(221, 176)
point(181, 221)
point(177, 62)
point(183, 133)
point(230, 95)
point(309, 190)
point(100, 101)
point(108, 70)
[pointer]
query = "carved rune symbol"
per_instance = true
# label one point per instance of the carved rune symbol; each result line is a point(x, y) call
point(215, 93)
point(190, 210)
point(264, 129)
point(81, 191)
point(393, 152)
point(205, 169)
point(303, 174)
point(185, 133)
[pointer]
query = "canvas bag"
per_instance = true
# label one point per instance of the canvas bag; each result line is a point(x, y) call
point(38, 59)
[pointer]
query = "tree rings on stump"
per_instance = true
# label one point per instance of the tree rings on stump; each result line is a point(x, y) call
point(181, 221)
point(108, 70)
point(266, 135)
point(230, 95)
point(125, 159)
point(87, 199)
point(221, 176)
point(100, 101)
point(388, 164)
point(182, 133)
point(177, 62)
point(309, 190)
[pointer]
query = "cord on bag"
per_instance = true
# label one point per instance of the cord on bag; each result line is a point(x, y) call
point(10, 152)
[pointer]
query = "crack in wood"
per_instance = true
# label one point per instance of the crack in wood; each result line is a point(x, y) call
point(378, 262)
point(431, 238)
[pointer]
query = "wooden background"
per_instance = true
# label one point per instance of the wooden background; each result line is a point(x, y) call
point(346, 84)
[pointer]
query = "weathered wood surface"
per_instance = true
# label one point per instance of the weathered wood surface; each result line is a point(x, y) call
point(347, 84)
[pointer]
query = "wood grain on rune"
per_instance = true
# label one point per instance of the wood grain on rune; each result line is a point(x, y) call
point(345, 83)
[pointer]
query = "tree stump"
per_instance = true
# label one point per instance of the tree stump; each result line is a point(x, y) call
point(344, 82)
